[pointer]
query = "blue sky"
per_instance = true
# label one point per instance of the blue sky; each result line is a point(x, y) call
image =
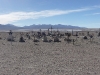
point(83, 13)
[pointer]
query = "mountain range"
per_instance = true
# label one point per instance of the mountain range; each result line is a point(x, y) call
point(42, 26)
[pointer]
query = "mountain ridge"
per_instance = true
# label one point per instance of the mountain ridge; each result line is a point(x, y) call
point(42, 26)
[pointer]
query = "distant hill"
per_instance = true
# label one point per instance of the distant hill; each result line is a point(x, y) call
point(43, 26)
point(8, 27)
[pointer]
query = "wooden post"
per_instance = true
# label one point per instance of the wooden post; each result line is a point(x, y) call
point(48, 31)
point(40, 30)
point(51, 29)
point(72, 32)
point(73, 41)
point(10, 33)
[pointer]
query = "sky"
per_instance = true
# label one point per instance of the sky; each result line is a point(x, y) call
point(83, 13)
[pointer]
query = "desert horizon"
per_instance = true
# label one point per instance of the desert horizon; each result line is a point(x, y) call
point(49, 37)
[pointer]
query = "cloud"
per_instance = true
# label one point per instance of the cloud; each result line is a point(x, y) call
point(92, 14)
point(16, 16)
point(96, 6)
point(96, 14)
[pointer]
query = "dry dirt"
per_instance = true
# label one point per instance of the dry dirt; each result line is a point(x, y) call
point(43, 58)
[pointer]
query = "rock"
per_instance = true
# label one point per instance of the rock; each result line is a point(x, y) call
point(21, 39)
point(85, 37)
point(35, 40)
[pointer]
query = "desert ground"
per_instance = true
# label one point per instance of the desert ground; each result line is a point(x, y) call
point(49, 58)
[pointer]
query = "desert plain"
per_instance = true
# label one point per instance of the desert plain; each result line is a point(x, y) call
point(49, 58)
